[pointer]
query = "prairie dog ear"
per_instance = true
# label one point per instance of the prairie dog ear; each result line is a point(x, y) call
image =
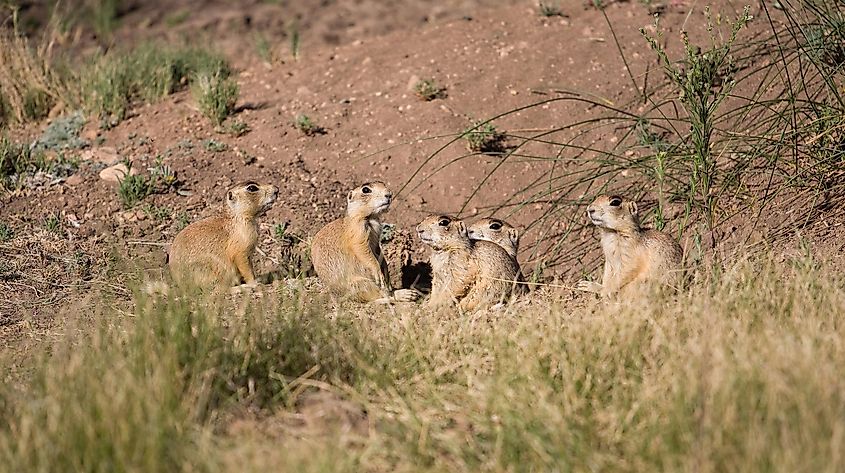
point(462, 229)
point(513, 235)
point(349, 196)
point(230, 196)
point(632, 207)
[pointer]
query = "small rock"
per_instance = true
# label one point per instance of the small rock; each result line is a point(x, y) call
point(105, 155)
point(74, 180)
point(116, 173)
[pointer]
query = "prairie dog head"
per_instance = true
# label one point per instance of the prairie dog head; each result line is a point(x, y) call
point(442, 232)
point(370, 199)
point(250, 199)
point(614, 213)
point(496, 231)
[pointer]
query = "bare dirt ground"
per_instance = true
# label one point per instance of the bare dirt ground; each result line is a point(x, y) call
point(356, 63)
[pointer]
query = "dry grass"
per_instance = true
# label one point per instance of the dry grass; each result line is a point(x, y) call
point(740, 373)
point(30, 85)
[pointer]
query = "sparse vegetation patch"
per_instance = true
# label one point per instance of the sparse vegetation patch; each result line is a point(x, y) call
point(216, 96)
point(428, 90)
point(484, 138)
point(306, 125)
point(150, 72)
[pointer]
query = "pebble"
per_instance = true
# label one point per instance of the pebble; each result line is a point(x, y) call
point(116, 173)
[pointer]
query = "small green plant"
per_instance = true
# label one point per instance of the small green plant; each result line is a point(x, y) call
point(306, 125)
point(293, 32)
point(6, 231)
point(235, 128)
point(36, 104)
point(214, 146)
point(428, 90)
point(162, 174)
point(484, 138)
point(53, 223)
point(133, 188)
point(15, 158)
point(181, 220)
point(549, 9)
point(103, 16)
point(63, 134)
point(279, 231)
point(262, 48)
point(294, 261)
point(159, 213)
point(705, 81)
point(216, 96)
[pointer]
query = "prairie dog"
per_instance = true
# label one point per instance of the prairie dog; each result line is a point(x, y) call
point(473, 273)
point(632, 254)
point(218, 250)
point(347, 255)
point(504, 235)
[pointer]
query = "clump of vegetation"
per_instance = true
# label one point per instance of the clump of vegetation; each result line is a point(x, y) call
point(705, 81)
point(159, 213)
point(428, 90)
point(181, 220)
point(18, 160)
point(306, 125)
point(148, 73)
point(53, 223)
point(62, 134)
point(483, 137)
point(15, 158)
point(134, 188)
point(216, 95)
point(549, 8)
point(103, 16)
point(295, 40)
point(30, 83)
point(262, 48)
point(214, 146)
point(235, 128)
point(6, 232)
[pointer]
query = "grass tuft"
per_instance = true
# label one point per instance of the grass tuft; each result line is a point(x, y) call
point(216, 96)
point(306, 125)
point(549, 9)
point(134, 188)
point(484, 138)
point(428, 90)
point(148, 73)
point(6, 232)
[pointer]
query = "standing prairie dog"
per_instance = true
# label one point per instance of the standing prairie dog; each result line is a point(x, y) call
point(632, 254)
point(347, 255)
point(473, 273)
point(218, 249)
point(502, 234)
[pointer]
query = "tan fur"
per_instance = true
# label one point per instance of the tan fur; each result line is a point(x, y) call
point(218, 250)
point(504, 235)
point(347, 255)
point(473, 273)
point(633, 255)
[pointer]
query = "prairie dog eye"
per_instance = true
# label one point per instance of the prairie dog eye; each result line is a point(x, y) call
point(366, 190)
point(252, 188)
point(444, 222)
point(615, 202)
point(496, 226)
